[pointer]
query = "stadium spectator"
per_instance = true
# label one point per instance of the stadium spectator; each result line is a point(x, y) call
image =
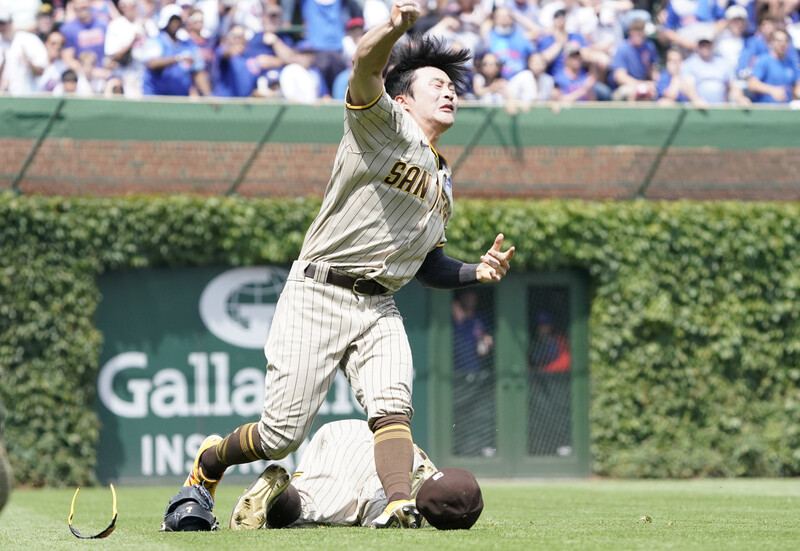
point(488, 83)
point(23, 58)
point(687, 20)
point(572, 80)
point(270, 48)
point(124, 46)
point(174, 65)
point(605, 38)
point(580, 17)
point(510, 45)
point(355, 30)
point(262, 42)
point(526, 16)
point(753, 12)
point(23, 13)
point(454, 32)
point(268, 85)
point(532, 84)
point(549, 350)
point(102, 10)
point(193, 23)
point(114, 87)
point(301, 81)
point(757, 46)
point(634, 69)
point(268, 51)
point(473, 424)
point(669, 87)
point(73, 84)
point(708, 79)
point(148, 13)
point(51, 75)
point(549, 395)
point(474, 17)
point(731, 39)
point(323, 20)
point(44, 22)
point(248, 14)
point(83, 33)
point(775, 77)
point(94, 75)
point(235, 75)
point(552, 45)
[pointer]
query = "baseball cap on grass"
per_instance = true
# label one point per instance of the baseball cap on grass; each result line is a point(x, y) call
point(450, 499)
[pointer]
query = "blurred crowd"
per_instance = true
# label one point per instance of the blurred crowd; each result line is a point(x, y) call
point(700, 51)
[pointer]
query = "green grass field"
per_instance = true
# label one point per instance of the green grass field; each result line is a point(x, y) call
point(751, 514)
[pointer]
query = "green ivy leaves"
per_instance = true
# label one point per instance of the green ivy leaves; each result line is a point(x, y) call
point(694, 329)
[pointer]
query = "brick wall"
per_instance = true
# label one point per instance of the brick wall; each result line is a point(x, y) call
point(67, 166)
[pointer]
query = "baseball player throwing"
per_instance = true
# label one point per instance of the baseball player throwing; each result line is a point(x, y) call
point(382, 222)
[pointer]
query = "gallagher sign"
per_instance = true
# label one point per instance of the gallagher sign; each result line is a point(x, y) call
point(183, 358)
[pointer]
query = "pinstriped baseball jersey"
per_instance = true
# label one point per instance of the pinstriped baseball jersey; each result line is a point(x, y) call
point(388, 201)
point(336, 476)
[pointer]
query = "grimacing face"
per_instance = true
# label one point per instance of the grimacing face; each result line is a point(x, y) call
point(434, 101)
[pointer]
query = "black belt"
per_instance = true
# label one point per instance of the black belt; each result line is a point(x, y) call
point(358, 285)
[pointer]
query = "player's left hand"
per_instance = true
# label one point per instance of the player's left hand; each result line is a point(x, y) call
point(494, 264)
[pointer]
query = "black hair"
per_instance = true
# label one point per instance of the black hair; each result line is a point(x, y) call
point(69, 76)
point(417, 52)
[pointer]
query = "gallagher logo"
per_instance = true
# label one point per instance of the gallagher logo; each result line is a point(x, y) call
point(237, 306)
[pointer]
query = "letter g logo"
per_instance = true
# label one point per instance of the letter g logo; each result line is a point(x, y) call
point(238, 305)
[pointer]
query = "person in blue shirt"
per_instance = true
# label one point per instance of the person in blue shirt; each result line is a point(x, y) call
point(572, 80)
point(708, 79)
point(84, 33)
point(234, 75)
point(775, 77)
point(758, 45)
point(669, 88)
point(634, 69)
point(324, 22)
point(688, 20)
point(473, 377)
point(264, 43)
point(175, 66)
point(508, 43)
point(553, 45)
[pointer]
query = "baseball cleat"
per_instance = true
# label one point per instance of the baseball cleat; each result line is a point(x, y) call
point(400, 514)
point(196, 476)
point(250, 511)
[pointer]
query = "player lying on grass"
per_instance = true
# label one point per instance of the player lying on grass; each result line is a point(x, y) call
point(336, 484)
point(382, 223)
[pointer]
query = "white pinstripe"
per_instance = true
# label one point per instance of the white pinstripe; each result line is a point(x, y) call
point(317, 329)
point(336, 476)
point(374, 223)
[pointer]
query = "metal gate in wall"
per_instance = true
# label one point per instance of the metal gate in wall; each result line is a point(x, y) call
point(508, 381)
